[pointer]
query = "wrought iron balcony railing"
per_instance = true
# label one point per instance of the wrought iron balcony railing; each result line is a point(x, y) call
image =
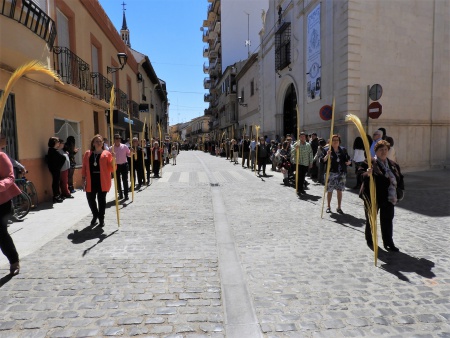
point(134, 109)
point(31, 16)
point(100, 87)
point(121, 100)
point(72, 69)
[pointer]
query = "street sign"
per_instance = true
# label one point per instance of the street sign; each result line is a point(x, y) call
point(375, 92)
point(374, 110)
point(326, 112)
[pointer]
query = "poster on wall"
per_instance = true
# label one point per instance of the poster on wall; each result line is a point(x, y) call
point(313, 62)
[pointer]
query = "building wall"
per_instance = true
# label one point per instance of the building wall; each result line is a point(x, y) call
point(404, 46)
point(249, 116)
point(39, 99)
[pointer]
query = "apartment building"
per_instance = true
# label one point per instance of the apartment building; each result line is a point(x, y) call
point(230, 33)
point(76, 39)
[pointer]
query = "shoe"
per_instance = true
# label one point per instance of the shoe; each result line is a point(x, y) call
point(301, 192)
point(14, 269)
point(101, 222)
point(57, 199)
point(339, 211)
point(126, 198)
point(264, 174)
point(73, 191)
point(120, 197)
point(391, 247)
point(94, 220)
point(68, 196)
point(328, 211)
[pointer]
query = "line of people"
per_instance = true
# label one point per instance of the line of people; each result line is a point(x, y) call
point(97, 169)
point(313, 155)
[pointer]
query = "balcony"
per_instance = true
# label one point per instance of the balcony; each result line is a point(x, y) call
point(206, 67)
point(205, 35)
point(31, 16)
point(205, 51)
point(207, 83)
point(100, 87)
point(217, 27)
point(134, 109)
point(72, 69)
point(208, 98)
point(213, 54)
point(121, 100)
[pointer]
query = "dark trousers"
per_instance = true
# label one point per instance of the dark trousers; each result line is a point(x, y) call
point(6, 243)
point(262, 163)
point(245, 157)
point(122, 172)
point(138, 173)
point(155, 168)
point(302, 170)
point(70, 179)
point(386, 224)
point(92, 198)
point(56, 175)
point(147, 167)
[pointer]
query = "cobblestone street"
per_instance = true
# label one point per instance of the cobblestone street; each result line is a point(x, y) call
point(211, 250)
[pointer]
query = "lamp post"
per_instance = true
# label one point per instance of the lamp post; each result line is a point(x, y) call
point(122, 57)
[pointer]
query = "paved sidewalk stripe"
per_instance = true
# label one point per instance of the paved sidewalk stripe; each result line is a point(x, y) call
point(240, 315)
point(219, 177)
point(202, 177)
point(237, 175)
point(184, 177)
point(166, 176)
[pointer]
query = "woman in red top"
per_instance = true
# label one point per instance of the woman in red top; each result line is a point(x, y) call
point(96, 175)
point(8, 190)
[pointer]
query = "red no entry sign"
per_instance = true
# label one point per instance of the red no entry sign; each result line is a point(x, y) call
point(374, 110)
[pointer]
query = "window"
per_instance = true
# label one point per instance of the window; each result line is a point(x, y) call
point(252, 88)
point(283, 46)
point(64, 129)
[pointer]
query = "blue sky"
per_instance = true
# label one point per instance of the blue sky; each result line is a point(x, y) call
point(169, 33)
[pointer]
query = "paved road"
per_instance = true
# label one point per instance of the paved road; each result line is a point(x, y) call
point(211, 250)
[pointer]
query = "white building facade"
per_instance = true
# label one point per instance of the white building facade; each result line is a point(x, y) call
point(312, 51)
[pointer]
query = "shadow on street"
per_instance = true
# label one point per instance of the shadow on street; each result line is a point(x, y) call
point(398, 262)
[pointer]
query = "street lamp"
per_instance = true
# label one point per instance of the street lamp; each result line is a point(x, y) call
point(241, 103)
point(122, 60)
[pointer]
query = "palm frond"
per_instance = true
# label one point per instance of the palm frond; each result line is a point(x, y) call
point(371, 202)
point(30, 67)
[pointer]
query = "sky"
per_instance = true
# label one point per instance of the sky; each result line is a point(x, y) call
point(168, 32)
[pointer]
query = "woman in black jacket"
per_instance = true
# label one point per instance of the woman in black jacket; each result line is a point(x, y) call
point(388, 179)
point(55, 161)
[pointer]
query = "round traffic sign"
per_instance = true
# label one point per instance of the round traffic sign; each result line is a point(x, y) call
point(374, 110)
point(375, 92)
point(326, 112)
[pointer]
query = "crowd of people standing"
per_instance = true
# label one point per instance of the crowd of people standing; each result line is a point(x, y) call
point(313, 155)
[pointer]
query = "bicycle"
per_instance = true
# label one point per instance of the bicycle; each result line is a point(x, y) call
point(28, 187)
point(21, 205)
point(27, 200)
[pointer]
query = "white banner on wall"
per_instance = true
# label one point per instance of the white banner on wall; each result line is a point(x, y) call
point(313, 50)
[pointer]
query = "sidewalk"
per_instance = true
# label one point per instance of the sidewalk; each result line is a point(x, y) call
point(47, 221)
